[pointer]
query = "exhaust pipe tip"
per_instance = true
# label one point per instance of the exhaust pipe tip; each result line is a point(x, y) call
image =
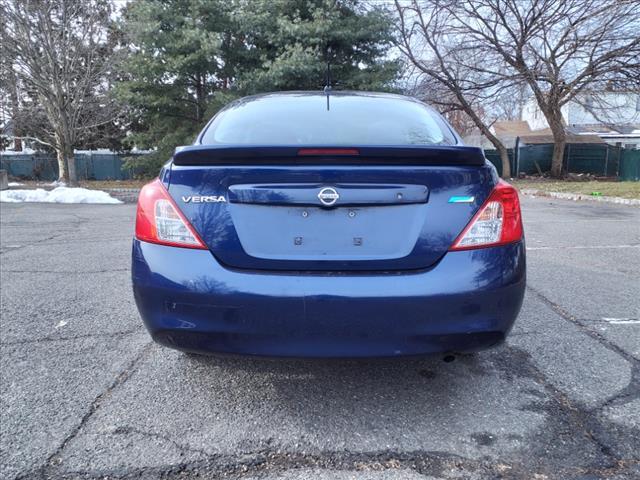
point(448, 358)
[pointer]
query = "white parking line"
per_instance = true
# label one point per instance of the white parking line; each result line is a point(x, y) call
point(622, 321)
point(583, 247)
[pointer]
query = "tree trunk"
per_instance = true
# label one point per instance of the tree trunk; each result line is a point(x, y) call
point(499, 146)
point(557, 158)
point(63, 173)
point(504, 158)
point(200, 107)
point(559, 142)
point(73, 175)
point(15, 107)
point(66, 162)
point(484, 129)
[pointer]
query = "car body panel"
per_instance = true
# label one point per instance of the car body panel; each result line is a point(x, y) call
point(231, 228)
point(468, 301)
point(325, 238)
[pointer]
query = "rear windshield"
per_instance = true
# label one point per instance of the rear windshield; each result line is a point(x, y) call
point(304, 119)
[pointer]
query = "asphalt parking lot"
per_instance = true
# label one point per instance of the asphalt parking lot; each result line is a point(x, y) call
point(85, 394)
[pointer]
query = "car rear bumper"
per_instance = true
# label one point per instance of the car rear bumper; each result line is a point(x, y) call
point(188, 301)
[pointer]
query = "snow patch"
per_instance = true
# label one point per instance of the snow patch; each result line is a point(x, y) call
point(15, 184)
point(57, 195)
point(24, 151)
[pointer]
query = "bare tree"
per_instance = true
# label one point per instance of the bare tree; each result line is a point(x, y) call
point(61, 57)
point(9, 100)
point(561, 49)
point(459, 120)
point(456, 74)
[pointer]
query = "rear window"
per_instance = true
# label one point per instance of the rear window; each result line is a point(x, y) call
point(303, 119)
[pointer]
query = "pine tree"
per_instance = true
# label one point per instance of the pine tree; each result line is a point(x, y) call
point(294, 39)
point(189, 57)
point(175, 66)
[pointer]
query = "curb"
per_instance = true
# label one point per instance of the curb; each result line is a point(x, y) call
point(126, 195)
point(578, 196)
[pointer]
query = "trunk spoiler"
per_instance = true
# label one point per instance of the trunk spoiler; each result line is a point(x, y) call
point(299, 155)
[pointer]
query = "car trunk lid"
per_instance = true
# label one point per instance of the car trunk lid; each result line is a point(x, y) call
point(379, 209)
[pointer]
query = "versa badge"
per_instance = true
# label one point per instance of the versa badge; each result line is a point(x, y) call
point(203, 199)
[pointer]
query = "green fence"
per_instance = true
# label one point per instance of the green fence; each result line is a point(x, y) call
point(89, 166)
point(534, 157)
point(629, 167)
point(601, 160)
point(494, 157)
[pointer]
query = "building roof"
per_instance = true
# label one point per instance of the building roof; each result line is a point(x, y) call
point(508, 131)
point(545, 136)
point(600, 129)
point(512, 128)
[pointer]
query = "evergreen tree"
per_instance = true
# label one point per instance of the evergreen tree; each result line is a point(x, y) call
point(176, 64)
point(187, 58)
point(293, 39)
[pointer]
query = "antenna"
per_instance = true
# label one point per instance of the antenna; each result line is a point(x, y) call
point(327, 86)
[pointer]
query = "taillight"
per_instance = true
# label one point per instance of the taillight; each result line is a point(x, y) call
point(498, 221)
point(159, 220)
point(328, 151)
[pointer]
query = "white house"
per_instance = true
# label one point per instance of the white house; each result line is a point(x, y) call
point(613, 116)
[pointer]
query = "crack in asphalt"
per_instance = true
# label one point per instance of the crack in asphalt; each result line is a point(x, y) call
point(580, 417)
point(584, 327)
point(127, 430)
point(120, 379)
point(44, 240)
point(632, 390)
point(594, 427)
point(273, 461)
point(74, 337)
point(629, 393)
point(78, 272)
point(563, 416)
point(47, 241)
point(68, 241)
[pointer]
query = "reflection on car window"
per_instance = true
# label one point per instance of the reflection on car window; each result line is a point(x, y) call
point(303, 119)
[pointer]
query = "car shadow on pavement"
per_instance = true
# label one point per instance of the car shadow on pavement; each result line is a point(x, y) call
point(486, 405)
point(369, 401)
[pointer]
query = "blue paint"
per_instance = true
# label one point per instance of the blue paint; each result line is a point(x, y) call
point(458, 199)
point(370, 275)
point(188, 300)
point(226, 227)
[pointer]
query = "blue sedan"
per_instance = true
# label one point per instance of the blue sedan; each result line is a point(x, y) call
point(339, 224)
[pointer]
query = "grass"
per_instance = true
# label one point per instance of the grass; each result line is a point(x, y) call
point(107, 184)
point(604, 188)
